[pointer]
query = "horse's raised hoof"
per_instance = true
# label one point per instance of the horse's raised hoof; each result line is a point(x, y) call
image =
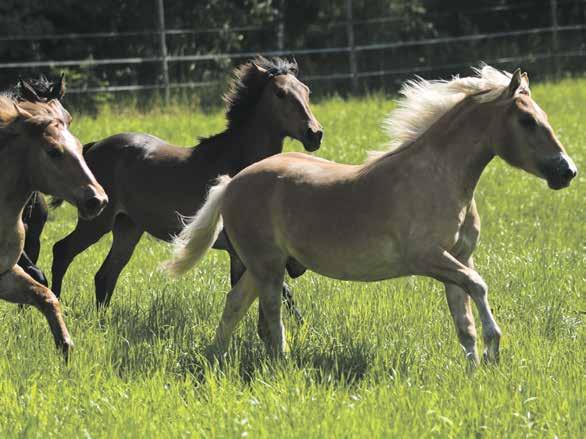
point(66, 346)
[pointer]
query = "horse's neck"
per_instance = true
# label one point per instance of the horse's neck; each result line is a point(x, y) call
point(256, 140)
point(240, 146)
point(453, 153)
point(14, 189)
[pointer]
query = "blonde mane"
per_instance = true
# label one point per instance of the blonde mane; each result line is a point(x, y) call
point(424, 102)
point(9, 111)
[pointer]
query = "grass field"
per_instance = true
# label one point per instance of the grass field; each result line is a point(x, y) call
point(378, 359)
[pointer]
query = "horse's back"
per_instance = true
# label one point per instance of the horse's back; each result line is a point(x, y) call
point(297, 166)
point(136, 145)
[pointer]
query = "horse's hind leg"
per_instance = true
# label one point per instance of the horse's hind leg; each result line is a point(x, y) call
point(35, 218)
point(237, 269)
point(295, 269)
point(31, 269)
point(238, 301)
point(459, 304)
point(18, 287)
point(125, 238)
point(35, 223)
point(269, 291)
point(86, 234)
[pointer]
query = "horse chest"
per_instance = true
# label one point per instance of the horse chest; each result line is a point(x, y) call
point(11, 245)
point(466, 236)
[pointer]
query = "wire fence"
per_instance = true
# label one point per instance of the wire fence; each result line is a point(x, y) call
point(552, 54)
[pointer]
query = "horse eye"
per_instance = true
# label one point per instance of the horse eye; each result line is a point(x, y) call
point(280, 93)
point(54, 153)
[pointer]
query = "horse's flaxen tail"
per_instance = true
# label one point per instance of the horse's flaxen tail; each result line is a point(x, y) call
point(200, 232)
point(57, 202)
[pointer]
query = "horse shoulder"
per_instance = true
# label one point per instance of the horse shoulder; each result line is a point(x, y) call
point(469, 233)
point(11, 245)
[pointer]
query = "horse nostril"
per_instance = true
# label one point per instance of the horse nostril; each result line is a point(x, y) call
point(314, 134)
point(569, 173)
point(92, 204)
point(319, 134)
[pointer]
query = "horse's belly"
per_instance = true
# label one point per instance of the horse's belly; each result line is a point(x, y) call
point(163, 225)
point(161, 217)
point(367, 262)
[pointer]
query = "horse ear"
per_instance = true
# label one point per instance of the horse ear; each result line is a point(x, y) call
point(28, 92)
point(294, 69)
point(525, 79)
point(516, 80)
point(259, 68)
point(22, 112)
point(58, 89)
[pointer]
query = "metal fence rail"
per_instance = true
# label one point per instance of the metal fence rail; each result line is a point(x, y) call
point(350, 50)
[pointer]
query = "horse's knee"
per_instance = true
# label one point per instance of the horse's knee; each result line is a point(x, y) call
point(45, 300)
point(476, 288)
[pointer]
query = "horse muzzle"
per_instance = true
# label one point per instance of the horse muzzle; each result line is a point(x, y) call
point(559, 171)
point(312, 139)
point(92, 205)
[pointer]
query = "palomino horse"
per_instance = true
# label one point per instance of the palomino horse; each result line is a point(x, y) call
point(152, 185)
point(38, 153)
point(410, 211)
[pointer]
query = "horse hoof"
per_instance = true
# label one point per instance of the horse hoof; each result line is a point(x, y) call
point(66, 346)
point(214, 356)
point(490, 358)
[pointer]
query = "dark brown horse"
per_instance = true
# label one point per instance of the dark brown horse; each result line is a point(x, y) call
point(38, 153)
point(152, 184)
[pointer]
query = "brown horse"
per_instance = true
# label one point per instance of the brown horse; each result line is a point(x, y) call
point(153, 185)
point(38, 153)
point(410, 211)
point(34, 215)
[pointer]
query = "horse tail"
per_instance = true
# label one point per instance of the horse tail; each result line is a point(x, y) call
point(200, 232)
point(57, 202)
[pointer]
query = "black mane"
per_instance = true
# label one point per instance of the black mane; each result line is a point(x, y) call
point(43, 89)
point(248, 83)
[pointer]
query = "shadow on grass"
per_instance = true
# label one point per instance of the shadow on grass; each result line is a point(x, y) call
point(168, 336)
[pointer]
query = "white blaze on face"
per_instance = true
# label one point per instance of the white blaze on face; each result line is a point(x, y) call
point(571, 165)
point(70, 144)
point(69, 141)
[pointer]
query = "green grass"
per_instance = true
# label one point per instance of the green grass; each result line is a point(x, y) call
point(378, 359)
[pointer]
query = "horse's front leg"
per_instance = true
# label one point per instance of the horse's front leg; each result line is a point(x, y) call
point(459, 304)
point(31, 269)
point(449, 270)
point(17, 286)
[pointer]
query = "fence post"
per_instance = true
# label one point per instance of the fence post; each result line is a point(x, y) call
point(281, 26)
point(351, 45)
point(554, 36)
point(163, 48)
